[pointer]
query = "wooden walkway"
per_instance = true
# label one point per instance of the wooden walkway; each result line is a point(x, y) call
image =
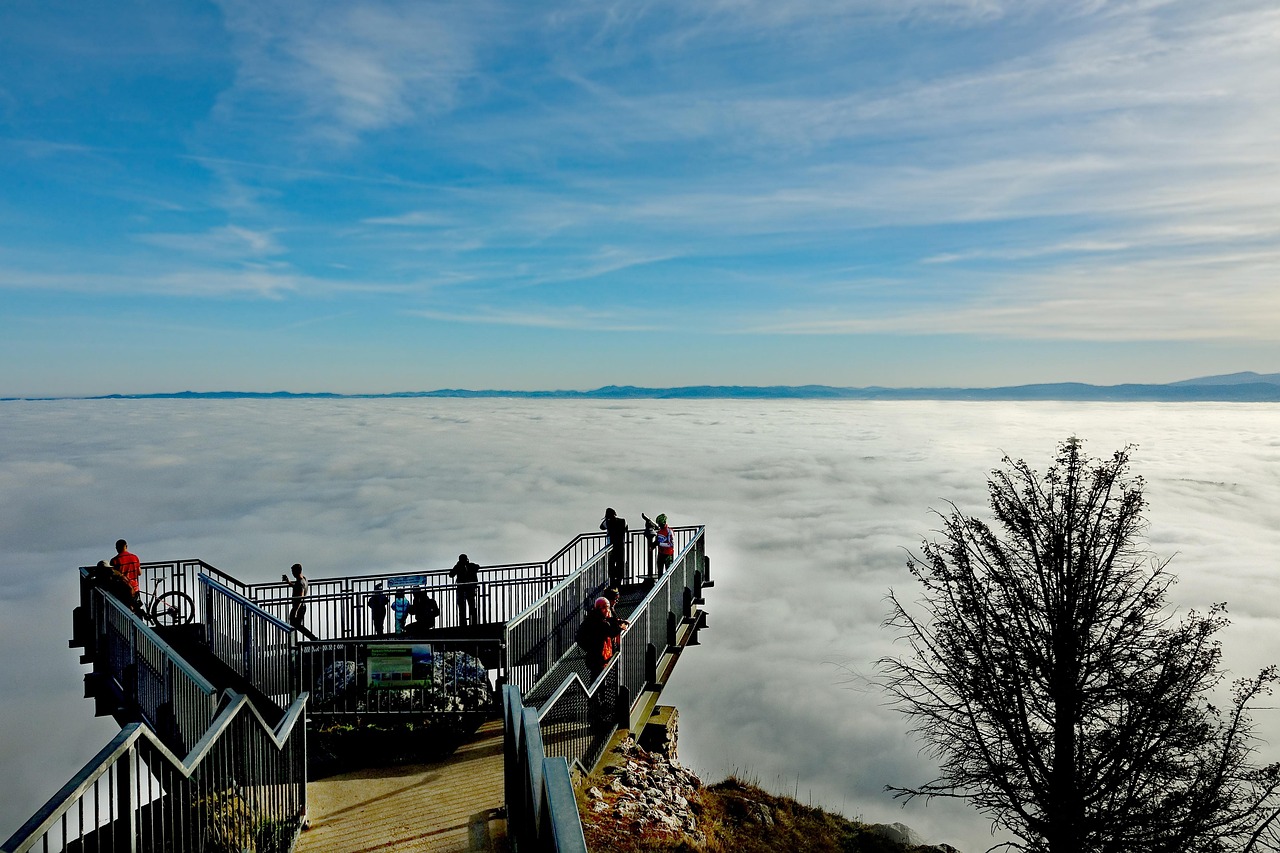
point(449, 806)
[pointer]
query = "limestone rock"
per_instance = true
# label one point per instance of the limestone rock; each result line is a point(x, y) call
point(649, 792)
point(898, 832)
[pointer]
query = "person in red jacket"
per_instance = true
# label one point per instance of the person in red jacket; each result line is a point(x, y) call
point(128, 565)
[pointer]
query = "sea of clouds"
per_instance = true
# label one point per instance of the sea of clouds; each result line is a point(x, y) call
point(810, 509)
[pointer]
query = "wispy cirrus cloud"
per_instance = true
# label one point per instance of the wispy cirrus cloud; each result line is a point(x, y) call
point(568, 317)
point(248, 281)
point(1223, 297)
point(232, 241)
point(969, 168)
point(339, 70)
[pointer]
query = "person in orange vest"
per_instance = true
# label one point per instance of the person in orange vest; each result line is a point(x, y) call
point(666, 542)
point(596, 634)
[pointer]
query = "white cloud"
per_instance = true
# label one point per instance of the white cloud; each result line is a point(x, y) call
point(340, 70)
point(1197, 297)
point(808, 507)
point(566, 317)
point(227, 242)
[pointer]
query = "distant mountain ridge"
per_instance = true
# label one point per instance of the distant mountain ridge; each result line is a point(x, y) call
point(1245, 387)
point(1248, 377)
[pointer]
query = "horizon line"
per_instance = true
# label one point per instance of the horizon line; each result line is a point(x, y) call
point(1241, 386)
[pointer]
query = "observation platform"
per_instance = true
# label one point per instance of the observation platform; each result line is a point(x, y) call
point(225, 718)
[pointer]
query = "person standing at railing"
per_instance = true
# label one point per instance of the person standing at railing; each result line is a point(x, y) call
point(378, 608)
point(424, 610)
point(128, 565)
point(613, 595)
point(467, 575)
point(597, 633)
point(298, 608)
point(615, 529)
point(650, 541)
point(666, 542)
point(401, 607)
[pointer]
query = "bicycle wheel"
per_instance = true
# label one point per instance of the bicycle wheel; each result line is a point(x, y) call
point(173, 608)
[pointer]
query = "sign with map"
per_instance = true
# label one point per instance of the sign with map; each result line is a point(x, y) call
point(399, 666)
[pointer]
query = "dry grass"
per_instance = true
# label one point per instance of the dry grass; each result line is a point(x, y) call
point(737, 816)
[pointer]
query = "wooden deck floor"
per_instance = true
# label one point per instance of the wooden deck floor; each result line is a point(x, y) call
point(449, 806)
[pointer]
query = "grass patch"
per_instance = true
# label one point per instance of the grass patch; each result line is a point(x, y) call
point(736, 816)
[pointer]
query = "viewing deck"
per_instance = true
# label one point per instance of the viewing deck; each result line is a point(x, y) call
point(219, 716)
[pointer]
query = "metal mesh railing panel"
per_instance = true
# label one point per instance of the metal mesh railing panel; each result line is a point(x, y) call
point(570, 714)
point(175, 701)
point(245, 793)
point(254, 644)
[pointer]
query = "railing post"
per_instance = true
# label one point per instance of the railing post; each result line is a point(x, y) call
point(246, 644)
point(168, 681)
point(348, 625)
point(125, 826)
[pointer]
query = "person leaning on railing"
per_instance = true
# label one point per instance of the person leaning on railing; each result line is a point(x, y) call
point(597, 633)
point(111, 581)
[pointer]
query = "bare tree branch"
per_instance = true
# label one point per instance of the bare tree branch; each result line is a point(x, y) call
point(1057, 691)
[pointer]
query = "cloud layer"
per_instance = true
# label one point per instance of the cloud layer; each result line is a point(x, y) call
point(808, 506)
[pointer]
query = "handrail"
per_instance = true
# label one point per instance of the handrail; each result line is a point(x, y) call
point(542, 812)
point(159, 684)
point(574, 707)
point(361, 584)
point(560, 586)
point(256, 645)
point(244, 601)
point(125, 782)
point(180, 662)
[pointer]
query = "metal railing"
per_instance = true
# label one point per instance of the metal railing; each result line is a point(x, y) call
point(540, 636)
point(346, 615)
point(183, 576)
point(578, 718)
point(257, 646)
point(390, 677)
point(542, 813)
point(337, 608)
point(242, 782)
point(145, 673)
point(242, 786)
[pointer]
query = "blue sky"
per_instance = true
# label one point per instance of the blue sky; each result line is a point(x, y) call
point(381, 196)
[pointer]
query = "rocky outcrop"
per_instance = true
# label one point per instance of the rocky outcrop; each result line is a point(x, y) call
point(898, 833)
point(641, 800)
point(646, 792)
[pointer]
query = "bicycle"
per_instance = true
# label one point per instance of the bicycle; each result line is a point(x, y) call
point(166, 609)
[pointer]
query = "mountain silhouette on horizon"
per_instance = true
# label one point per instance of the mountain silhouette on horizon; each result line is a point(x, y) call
point(1242, 387)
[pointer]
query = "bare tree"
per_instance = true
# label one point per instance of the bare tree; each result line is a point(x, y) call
point(1058, 694)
